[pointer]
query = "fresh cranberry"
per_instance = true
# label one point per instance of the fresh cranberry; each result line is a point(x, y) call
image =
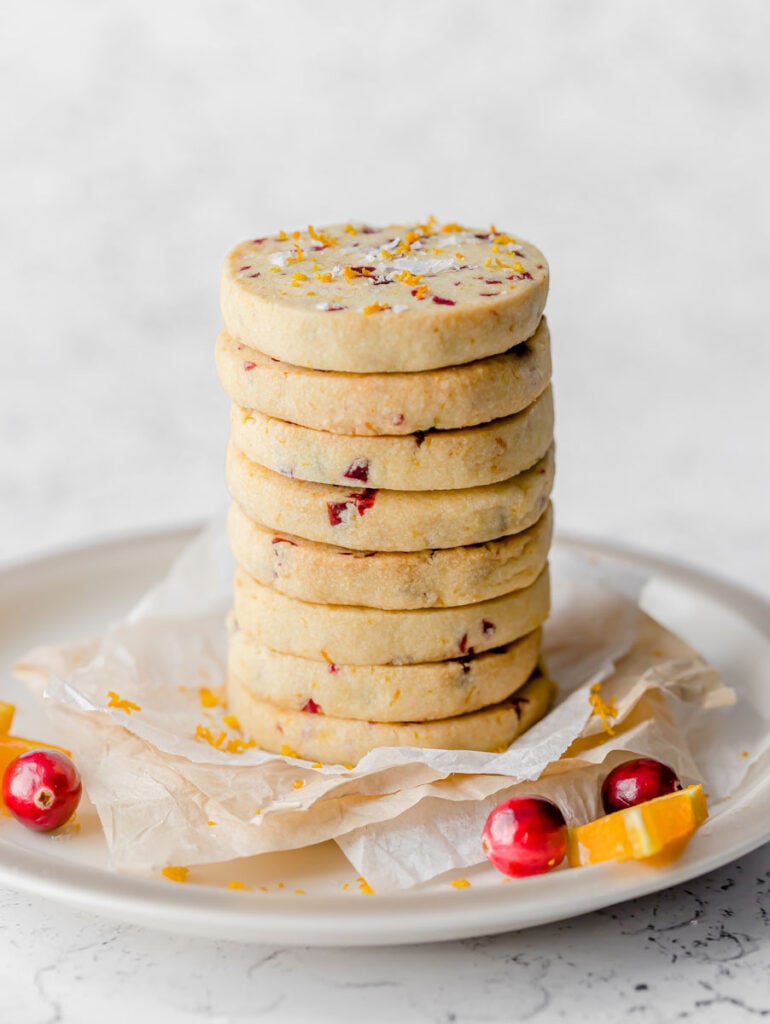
point(41, 789)
point(525, 836)
point(635, 782)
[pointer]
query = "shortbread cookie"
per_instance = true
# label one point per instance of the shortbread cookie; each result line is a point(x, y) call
point(436, 461)
point(401, 298)
point(328, 740)
point(387, 403)
point(326, 574)
point(366, 519)
point(355, 635)
point(383, 693)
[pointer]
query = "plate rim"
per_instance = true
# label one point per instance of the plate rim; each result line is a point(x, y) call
point(328, 920)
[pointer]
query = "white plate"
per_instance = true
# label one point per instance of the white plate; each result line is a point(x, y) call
point(73, 595)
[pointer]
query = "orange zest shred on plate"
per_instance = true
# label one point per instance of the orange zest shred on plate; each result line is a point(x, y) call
point(240, 886)
point(202, 732)
point(603, 709)
point(221, 741)
point(364, 888)
point(175, 873)
point(210, 698)
point(460, 883)
point(116, 701)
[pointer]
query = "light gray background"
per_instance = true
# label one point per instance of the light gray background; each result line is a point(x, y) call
point(628, 140)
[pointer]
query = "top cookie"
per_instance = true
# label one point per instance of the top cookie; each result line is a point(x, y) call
point(383, 300)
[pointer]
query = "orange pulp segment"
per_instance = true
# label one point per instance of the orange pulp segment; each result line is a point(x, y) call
point(656, 831)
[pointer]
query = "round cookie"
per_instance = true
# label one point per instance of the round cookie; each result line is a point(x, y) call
point(383, 693)
point(394, 299)
point(439, 460)
point(387, 403)
point(442, 577)
point(354, 635)
point(368, 519)
point(345, 741)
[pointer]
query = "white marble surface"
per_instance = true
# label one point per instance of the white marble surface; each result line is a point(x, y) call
point(629, 141)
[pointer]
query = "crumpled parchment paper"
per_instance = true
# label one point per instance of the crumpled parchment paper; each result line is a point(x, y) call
point(402, 815)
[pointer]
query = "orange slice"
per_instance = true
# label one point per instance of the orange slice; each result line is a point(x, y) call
point(12, 746)
point(7, 711)
point(656, 831)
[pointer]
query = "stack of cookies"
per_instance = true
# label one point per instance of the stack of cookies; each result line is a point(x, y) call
point(390, 464)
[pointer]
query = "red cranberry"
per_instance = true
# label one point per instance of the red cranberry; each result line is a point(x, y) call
point(525, 836)
point(41, 789)
point(358, 470)
point(364, 500)
point(635, 782)
point(336, 510)
point(311, 707)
